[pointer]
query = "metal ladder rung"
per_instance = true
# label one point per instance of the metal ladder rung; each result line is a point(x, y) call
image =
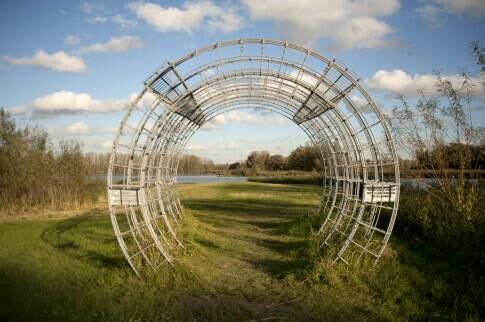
point(363, 248)
point(141, 250)
point(372, 227)
point(343, 259)
point(124, 233)
point(162, 262)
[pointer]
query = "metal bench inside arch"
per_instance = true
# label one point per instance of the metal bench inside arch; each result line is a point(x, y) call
point(322, 96)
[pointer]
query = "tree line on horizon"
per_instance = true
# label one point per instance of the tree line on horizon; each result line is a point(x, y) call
point(436, 131)
point(305, 157)
point(37, 174)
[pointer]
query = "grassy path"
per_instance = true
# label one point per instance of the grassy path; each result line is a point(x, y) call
point(243, 242)
point(248, 257)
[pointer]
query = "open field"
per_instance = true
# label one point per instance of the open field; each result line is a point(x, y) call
point(250, 256)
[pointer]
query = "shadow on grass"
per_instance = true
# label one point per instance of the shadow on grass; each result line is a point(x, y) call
point(453, 278)
point(266, 223)
point(263, 188)
point(293, 253)
point(283, 247)
point(74, 237)
point(279, 269)
point(279, 217)
point(206, 243)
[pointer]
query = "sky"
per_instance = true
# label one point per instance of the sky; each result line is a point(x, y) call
point(72, 67)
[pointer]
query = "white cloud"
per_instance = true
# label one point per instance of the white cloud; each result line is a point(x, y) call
point(398, 82)
point(72, 40)
point(85, 130)
point(359, 101)
point(225, 20)
point(110, 130)
point(123, 22)
point(70, 102)
point(59, 61)
point(17, 109)
point(208, 73)
point(348, 23)
point(78, 128)
point(474, 8)
point(196, 147)
point(66, 102)
point(92, 6)
point(120, 20)
point(106, 144)
point(189, 17)
point(435, 11)
point(235, 149)
point(243, 117)
point(217, 122)
point(96, 19)
point(253, 118)
point(232, 146)
point(431, 14)
point(113, 45)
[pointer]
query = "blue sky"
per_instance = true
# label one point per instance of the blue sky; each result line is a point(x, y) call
point(71, 66)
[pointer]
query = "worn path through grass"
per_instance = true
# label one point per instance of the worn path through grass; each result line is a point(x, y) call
point(244, 243)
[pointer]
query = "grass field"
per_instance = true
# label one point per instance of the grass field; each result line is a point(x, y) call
point(248, 257)
point(299, 179)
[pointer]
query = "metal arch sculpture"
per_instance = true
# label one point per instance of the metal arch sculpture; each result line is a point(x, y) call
point(322, 96)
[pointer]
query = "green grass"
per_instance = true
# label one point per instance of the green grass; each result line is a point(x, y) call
point(313, 179)
point(249, 257)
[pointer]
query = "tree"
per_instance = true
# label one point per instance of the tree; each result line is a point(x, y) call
point(305, 158)
point(257, 160)
point(235, 166)
point(479, 54)
point(276, 162)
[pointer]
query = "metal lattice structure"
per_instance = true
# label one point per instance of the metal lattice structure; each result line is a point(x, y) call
point(322, 96)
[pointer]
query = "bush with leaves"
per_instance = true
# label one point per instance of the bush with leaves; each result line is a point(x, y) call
point(438, 132)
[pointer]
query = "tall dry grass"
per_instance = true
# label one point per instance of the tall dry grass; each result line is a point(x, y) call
point(36, 174)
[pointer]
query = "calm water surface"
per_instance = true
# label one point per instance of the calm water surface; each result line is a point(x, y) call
point(417, 184)
point(189, 179)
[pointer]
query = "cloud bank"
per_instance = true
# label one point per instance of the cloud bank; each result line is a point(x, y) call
point(398, 82)
point(244, 117)
point(58, 62)
point(190, 16)
point(78, 128)
point(349, 24)
point(113, 45)
point(67, 102)
point(435, 11)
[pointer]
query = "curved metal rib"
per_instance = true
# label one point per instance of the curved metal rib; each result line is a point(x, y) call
point(322, 96)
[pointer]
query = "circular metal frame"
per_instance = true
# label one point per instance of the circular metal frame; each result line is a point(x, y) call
point(322, 96)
